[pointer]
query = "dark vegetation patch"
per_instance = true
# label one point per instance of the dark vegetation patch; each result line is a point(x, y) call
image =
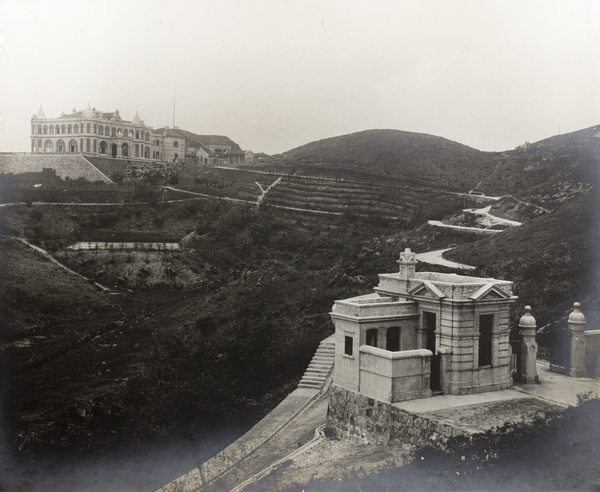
point(224, 328)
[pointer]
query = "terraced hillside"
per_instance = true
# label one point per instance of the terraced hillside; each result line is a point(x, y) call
point(65, 166)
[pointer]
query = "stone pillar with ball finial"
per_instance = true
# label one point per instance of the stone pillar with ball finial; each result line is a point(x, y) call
point(577, 326)
point(527, 370)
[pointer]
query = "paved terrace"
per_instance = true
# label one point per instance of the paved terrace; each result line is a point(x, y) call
point(293, 427)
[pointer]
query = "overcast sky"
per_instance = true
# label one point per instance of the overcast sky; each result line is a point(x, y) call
point(276, 74)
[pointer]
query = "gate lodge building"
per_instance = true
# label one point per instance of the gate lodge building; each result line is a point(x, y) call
point(424, 333)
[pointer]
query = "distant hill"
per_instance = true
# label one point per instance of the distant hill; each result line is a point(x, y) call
point(409, 156)
point(550, 171)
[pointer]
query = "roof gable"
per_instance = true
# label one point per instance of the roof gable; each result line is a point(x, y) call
point(427, 289)
point(489, 291)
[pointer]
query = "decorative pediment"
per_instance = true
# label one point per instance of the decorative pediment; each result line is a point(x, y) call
point(427, 289)
point(489, 291)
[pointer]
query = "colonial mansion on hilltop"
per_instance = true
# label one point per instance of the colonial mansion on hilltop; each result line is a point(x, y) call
point(104, 134)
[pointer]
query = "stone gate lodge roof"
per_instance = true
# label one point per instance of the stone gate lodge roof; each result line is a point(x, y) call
point(444, 286)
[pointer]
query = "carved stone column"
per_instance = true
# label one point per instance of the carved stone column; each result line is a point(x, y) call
point(577, 326)
point(527, 370)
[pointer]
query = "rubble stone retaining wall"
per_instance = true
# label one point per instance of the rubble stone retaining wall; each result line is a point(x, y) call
point(355, 416)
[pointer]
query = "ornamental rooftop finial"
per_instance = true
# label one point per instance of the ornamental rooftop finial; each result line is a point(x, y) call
point(407, 256)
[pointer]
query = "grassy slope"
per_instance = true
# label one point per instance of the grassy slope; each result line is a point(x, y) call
point(553, 260)
point(408, 156)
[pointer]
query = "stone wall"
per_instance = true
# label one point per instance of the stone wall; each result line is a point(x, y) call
point(355, 416)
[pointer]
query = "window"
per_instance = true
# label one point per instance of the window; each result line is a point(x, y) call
point(40, 129)
point(175, 144)
point(106, 131)
point(147, 137)
point(60, 147)
point(114, 132)
point(157, 142)
point(95, 128)
point(429, 324)
point(63, 129)
point(48, 146)
point(136, 150)
point(372, 337)
point(137, 134)
point(57, 130)
point(393, 339)
point(76, 129)
point(45, 129)
point(101, 130)
point(88, 127)
point(51, 130)
point(486, 323)
point(87, 142)
point(95, 144)
point(69, 129)
point(103, 147)
point(348, 346)
point(73, 146)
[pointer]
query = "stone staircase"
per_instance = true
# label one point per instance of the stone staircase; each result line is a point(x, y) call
point(320, 366)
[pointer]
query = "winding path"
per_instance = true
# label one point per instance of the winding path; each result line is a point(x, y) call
point(435, 258)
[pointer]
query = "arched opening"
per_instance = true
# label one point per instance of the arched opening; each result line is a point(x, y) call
point(60, 146)
point(51, 130)
point(76, 129)
point(393, 339)
point(125, 150)
point(372, 336)
point(103, 147)
point(73, 146)
point(48, 147)
point(57, 129)
point(114, 150)
point(176, 144)
point(69, 129)
point(147, 152)
point(156, 142)
point(114, 132)
point(63, 129)
point(175, 157)
point(106, 131)
point(101, 130)
point(45, 129)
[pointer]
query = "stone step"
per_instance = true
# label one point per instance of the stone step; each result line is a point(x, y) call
point(317, 370)
point(323, 357)
point(309, 385)
point(314, 377)
point(323, 362)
